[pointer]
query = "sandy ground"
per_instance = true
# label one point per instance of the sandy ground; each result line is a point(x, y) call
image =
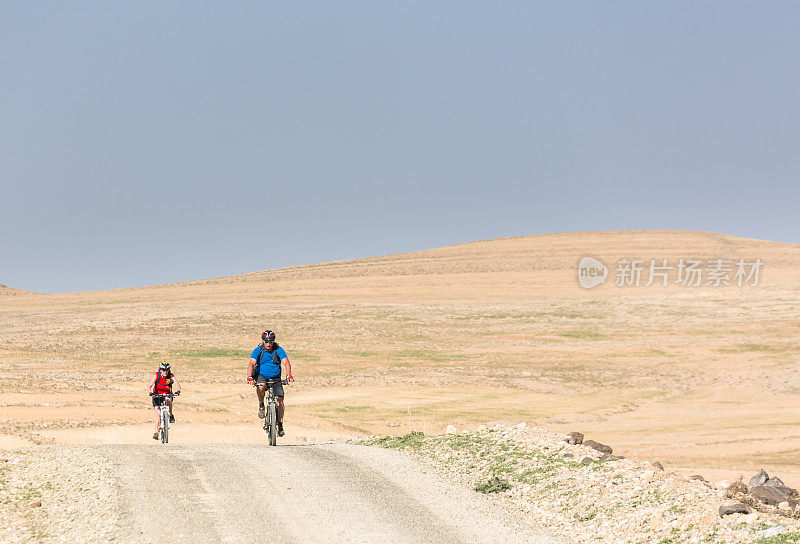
point(703, 379)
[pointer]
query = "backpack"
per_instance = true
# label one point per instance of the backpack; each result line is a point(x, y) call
point(257, 366)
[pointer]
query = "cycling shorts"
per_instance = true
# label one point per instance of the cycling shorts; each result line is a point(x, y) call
point(277, 388)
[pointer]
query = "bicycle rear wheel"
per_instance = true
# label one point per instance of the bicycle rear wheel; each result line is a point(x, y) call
point(273, 425)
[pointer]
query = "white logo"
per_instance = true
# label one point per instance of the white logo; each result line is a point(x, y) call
point(591, 272)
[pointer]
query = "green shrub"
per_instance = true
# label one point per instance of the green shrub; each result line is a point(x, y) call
point(495, 484)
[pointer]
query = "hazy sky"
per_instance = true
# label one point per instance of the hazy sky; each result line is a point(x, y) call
point(157, 142)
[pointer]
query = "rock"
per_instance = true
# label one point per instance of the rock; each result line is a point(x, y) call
point(36, 504)
point(722, 484)
point(586, 460)
point(602, 448)
point(769, 495)
point(567, 456)
point(575, 438)
point(658, 465)
point(772, 531)
point(774, 482)
point(697, 477)
point(737, 508)
point(451, 429)
point(757, 480)
point(737, 488)
point(608, 457)
point(784, 505)
point(778, 484)
point(521, 425)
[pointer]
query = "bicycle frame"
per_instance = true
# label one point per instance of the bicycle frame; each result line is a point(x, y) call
point(164, 413)
point(271, 405)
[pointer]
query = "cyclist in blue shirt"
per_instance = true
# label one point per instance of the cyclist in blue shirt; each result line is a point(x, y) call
point(270, 356)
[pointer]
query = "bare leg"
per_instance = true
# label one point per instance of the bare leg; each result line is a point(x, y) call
point(279, 408)
point(260, 391)
point(158, 419)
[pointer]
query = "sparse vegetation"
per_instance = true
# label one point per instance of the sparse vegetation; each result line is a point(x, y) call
point(784, 538)
point(208, 353)
point(495, 484)
point(587, 517)
point(583, 335)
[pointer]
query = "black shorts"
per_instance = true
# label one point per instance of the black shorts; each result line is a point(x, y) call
point(158, 401)
point(277, 387)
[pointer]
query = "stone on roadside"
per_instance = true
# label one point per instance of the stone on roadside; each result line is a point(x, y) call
point(451, 429)
point(737, 508)
point(722, 484)
point(575, 438)
point(778, 484)
point(567, 456)
point(757, 480)
point(697, 477)
point(586, 460)
point(658, 465)
point(772, 531)
point(769, 495)
point(775, 482)
point(602, 448)
point(608, 457)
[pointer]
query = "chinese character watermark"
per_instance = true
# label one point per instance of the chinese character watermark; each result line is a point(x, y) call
point(686, 272)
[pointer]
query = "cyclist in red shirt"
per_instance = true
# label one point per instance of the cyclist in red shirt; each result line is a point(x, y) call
point(162, 384)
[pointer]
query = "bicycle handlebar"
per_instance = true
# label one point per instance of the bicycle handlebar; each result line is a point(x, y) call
point(269, 382)
point(175, 394)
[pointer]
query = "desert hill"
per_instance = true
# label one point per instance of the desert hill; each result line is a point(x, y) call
point(5, 290)
point(501, 269)
point(704, 379)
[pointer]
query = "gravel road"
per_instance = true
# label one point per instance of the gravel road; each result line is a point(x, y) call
point(331, 492)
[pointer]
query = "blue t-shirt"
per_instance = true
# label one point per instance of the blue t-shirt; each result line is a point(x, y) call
point(269, 368)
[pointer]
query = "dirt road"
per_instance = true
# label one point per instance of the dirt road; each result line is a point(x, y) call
point(330, 492)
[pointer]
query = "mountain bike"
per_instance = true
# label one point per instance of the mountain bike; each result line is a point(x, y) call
point(163, 409)
point(271, 419)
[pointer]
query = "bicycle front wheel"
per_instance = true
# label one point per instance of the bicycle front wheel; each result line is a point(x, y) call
point(273, 425)
point(164, 427)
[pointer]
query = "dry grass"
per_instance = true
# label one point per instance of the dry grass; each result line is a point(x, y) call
point(700, 378)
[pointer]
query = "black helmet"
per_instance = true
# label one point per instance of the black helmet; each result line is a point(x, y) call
point(268, 336)
point(163, 366)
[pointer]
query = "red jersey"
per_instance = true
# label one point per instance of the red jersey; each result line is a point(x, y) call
point(163, 385)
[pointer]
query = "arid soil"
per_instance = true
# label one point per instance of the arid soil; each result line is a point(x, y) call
point(703, 379)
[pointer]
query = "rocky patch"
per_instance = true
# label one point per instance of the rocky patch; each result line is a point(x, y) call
point(602, 498)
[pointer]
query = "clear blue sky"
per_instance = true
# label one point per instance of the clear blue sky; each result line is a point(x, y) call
point(145, 143)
